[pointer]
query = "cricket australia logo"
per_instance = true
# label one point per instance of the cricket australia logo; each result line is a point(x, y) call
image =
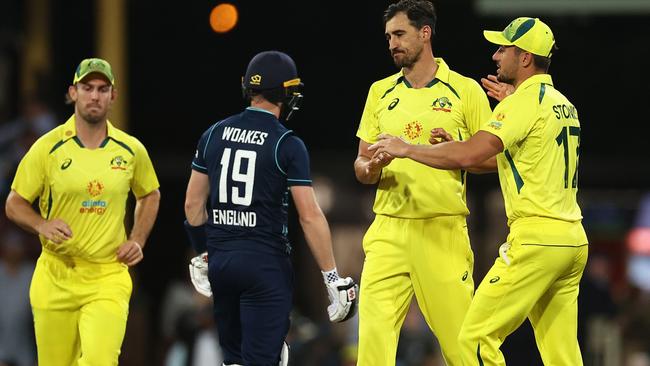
point(413, 130)
point(95, 188)
point(118, 163)
point(442, 104)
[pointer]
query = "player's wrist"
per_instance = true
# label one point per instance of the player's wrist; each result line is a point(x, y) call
point(330, 276)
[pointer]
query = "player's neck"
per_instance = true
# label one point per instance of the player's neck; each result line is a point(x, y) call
point(91, 135)
point(267, 106)
point(525, 74)
point(422, 72)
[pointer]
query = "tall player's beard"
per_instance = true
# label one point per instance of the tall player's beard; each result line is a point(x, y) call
point(407, 61)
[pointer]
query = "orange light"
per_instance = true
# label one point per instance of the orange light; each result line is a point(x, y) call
point(223, 18)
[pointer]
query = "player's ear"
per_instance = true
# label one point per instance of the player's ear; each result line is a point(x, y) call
point(526, 58)
point(72, 93)
point(113, 94)
point(425, 32)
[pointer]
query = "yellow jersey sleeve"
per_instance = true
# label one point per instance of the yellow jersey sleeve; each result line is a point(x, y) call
point(30, 176)
point(477, 107)
point(512, 120)
point(144, 176)
point(369, 125)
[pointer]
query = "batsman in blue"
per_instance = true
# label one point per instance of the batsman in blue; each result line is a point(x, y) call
point(244, 172)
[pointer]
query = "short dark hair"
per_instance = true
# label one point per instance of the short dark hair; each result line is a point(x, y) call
point(543, 63)
point(275, 95)
point(419, 12)
point(540, 62)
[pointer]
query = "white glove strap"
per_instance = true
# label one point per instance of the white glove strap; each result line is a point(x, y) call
point(330, 276)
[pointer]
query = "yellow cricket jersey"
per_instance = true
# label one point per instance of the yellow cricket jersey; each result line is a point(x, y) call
point(538, 169)
point(87, 189)
point(408, 189)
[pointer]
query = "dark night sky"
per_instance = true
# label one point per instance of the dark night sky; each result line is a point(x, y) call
point(183, 76)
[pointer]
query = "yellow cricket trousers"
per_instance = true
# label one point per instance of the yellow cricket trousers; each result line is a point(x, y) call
point(430, 258)
point(80, 310)
point(527, 280)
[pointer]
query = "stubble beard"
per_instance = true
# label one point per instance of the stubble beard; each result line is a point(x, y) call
point(408, 61)
point(93, 119)
point(504, 78)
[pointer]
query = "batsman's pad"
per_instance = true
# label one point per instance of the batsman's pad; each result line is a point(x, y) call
point(284, 355)
point(343, 295)
point(199, 274)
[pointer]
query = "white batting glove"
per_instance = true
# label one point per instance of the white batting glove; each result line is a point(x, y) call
point(343, 299)
point(199, 274)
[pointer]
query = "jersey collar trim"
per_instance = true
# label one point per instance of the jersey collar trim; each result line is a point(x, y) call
point(255, 109)
point(535, 80)
point(70, 130)
point(442, 74)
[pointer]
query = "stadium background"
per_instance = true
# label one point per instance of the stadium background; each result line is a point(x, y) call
point(176, 77)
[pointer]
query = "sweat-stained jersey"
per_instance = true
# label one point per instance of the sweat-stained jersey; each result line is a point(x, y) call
point(251, 160)
point(408, 189)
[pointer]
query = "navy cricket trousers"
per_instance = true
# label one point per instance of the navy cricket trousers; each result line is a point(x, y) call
point(252, 294)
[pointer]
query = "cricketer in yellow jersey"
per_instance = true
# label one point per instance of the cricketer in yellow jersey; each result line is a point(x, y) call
point(535, 134)
point(418, 243)
point(82, 172)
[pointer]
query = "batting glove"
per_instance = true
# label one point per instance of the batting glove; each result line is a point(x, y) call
point(199, 274)
point(343, 298)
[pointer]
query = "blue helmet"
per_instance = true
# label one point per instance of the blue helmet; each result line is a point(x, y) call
point(273, 74)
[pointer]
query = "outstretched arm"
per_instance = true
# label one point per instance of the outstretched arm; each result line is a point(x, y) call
point(439, 135)
point(448, 155)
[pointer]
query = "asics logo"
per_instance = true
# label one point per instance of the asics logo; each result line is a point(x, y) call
point(66, 164)
point(393, 104)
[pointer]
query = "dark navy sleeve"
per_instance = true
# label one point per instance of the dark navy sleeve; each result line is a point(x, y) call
point(293, 161)
point(198, 163)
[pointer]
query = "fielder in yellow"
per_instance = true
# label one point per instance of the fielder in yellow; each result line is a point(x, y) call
point(535, 135)
point(82, 172)
point(418, 243)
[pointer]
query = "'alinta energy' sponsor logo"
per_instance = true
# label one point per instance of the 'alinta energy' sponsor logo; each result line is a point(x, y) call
point(94, 188)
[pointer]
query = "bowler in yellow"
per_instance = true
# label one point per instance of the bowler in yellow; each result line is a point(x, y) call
point(82, 172)
point(418, 242)
point(535, 135)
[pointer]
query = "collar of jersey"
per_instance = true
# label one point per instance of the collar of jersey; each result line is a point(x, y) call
point(69, 129)
point(442, 74)
point(255, 109)
point(536, 79)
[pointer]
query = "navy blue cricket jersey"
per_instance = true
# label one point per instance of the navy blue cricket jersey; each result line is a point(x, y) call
point(251, 160)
